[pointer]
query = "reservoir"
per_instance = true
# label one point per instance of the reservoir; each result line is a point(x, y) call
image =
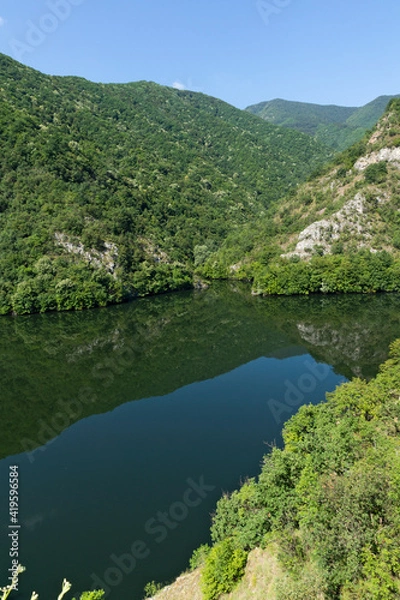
point(127, 424)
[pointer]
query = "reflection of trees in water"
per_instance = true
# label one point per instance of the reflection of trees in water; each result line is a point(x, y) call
point(156, 345)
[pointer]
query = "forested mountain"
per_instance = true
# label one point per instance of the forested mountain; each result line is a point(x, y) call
point(112, 191)
point(336, 126)
point(339, 232)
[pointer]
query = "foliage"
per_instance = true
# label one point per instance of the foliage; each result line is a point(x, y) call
point(66, 586)
point(224, 567)
point(336, 126)
point(199, 556)
point(94, 595)
point(331, 496)
point(151, 588)
point(237, 517)
point(360, 226)
point(362, 272)
point(376, 173)
point(108, 192)
point(301, 115)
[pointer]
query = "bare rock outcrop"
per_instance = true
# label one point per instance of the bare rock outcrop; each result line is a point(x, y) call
point(391, 155)
point(106, 259)
point(327, 231)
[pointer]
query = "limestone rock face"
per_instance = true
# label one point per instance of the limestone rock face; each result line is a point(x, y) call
point(106, 259)
point(327, 231)
point(391, 155)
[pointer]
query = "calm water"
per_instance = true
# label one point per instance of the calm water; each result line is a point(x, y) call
point(128, 423)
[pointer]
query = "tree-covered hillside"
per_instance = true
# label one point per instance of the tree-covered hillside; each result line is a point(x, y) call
point(304, 116)
point(339, 232)
point(336, 126)
point(112, 191)
point(325, 508)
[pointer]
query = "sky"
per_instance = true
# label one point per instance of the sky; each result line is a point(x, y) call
point(344, 52)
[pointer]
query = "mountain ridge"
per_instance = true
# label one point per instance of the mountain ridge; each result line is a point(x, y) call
point(112, 191)
point(334, 125)
point(338, 232)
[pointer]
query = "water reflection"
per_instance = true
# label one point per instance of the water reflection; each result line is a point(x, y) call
point(217, 373)
point(58, 368)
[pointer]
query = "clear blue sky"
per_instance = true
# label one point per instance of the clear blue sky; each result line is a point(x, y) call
point(243, 51)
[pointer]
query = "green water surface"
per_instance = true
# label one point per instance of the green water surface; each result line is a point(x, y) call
point(128, 423)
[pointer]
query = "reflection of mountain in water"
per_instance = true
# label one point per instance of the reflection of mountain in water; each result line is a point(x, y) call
point(329, 339)
point(352, 333)
point(62, 367)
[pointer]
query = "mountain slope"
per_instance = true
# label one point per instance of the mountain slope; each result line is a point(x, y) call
point(339, 232)
point(113, 191)
point(324, 509)
point(303, 116)
point(336, 126)
point(354, 204)
point(368, 115)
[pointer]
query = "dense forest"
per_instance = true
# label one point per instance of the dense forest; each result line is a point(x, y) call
point(113, 192)
point(108, 192)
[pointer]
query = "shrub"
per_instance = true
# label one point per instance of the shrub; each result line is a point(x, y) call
point(376, 173)
point(199, 556)
point(341, 172)
point(337, 247)
point(151, 588)
point(242, 517)
point(95, 595)
point(396, 240)
point(224, 567)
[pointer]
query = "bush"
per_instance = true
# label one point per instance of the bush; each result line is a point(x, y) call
point(341, 172)
point(396, 240)
point(329, 500)
point(199, 556)
point(96, 595)
point(224, 567)
point(376, 173)
point(242, 517)
point(337, 247)
point(151, 588)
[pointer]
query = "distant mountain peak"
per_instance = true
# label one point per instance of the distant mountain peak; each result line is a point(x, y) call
point(336, 126)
